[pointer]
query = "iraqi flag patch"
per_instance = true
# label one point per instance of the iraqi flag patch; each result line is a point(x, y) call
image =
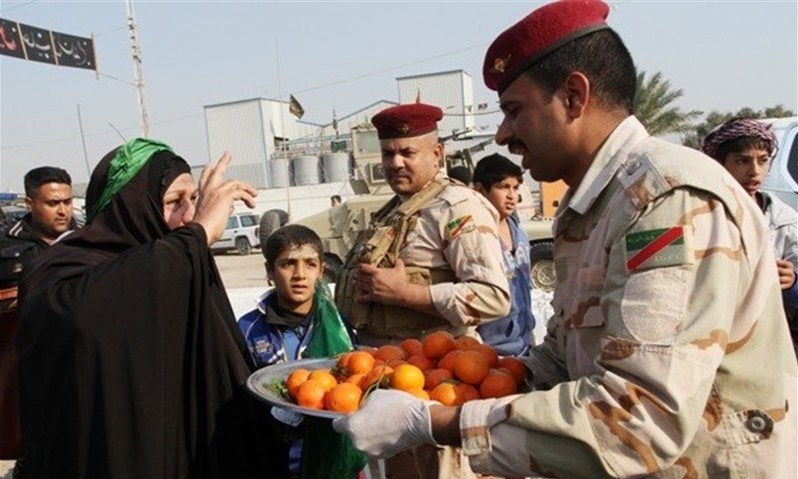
point(657, 248)
point(461, 225)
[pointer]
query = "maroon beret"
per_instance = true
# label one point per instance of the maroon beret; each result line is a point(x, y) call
point(406, 121)
point(538, 34)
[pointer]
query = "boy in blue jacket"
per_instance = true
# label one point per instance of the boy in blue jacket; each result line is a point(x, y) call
point(497, 178)
point(295, 320)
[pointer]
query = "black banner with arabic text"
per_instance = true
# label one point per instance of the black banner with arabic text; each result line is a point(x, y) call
point(40, 45)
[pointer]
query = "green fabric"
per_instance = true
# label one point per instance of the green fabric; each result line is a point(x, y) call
point(325, 453)
point(129, 160)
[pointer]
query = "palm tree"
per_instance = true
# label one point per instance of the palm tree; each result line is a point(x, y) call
point(653, 106)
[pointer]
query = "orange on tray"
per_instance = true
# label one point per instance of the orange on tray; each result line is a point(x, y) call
point(450, 370)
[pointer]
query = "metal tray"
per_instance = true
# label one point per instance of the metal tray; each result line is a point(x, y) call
point(257, 382)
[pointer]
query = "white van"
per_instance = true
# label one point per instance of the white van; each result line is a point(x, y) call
point(782, 179)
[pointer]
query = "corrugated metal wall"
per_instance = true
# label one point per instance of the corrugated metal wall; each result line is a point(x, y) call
point(451, 91)
point(237, 128)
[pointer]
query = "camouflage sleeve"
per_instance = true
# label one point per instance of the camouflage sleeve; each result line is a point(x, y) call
point(471, 247)
point(663, 332)
point(545, 360)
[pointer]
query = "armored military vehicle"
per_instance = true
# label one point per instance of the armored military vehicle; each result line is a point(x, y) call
point(339, 225)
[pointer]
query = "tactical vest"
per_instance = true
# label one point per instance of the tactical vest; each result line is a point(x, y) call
point(379, 245)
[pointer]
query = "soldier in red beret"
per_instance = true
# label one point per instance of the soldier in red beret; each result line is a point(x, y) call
point(668, 354)
point(430, 260)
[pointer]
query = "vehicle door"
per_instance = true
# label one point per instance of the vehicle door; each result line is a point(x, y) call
point(230, 231)
point(249, 224)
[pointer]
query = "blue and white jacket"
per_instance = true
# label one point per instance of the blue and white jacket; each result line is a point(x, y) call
point(511, 335)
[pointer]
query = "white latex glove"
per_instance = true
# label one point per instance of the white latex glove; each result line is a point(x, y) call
point(388, 423)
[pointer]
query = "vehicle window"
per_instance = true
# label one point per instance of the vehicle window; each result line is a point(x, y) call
point(232, 223)
point(248, 221)
point(377, 174)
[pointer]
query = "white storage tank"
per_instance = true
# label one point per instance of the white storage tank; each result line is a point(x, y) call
point(306, 170)
point(279, 173)
point(335, 167)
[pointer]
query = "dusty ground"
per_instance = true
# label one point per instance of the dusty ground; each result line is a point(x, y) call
point(242, 271)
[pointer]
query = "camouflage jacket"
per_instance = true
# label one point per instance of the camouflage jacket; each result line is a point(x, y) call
point(668, 354)
point(456, 231)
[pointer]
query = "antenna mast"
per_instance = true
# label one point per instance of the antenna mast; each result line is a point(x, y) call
point(135, 50)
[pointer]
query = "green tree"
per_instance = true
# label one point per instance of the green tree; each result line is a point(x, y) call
point(654, 106)
point(695, 137)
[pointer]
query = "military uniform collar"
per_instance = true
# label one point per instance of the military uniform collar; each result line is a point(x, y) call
point(605, 165)
point(439, 176)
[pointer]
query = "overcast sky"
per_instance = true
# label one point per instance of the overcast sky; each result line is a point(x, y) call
point(343, 55)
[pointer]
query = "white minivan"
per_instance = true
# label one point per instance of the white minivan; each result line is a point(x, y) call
point(782, 179)
point(240, 234)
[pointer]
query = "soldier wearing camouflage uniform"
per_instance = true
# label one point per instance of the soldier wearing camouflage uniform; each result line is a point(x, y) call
point(429, 261)
point(668, 354)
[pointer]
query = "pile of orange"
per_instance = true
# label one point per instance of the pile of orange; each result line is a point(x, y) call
point(439, 367)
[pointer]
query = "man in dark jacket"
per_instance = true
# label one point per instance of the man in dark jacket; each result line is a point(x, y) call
point(48, 197)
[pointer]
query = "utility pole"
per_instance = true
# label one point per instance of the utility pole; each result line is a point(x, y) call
point(139, 79)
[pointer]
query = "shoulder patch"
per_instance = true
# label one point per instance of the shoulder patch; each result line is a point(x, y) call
point(461, 225)
point(657, 248)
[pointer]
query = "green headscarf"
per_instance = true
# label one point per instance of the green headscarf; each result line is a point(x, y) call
point(325, 453)
point(129, 160)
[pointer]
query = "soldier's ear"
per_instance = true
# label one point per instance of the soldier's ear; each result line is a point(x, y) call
point(29, 203)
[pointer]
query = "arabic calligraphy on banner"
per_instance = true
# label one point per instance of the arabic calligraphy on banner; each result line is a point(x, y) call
point(46, 46)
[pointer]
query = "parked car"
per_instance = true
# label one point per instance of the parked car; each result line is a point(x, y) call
point(240, 234)
point(782, 179)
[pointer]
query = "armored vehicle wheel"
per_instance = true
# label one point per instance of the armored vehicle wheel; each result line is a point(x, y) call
point(541, 266)
point(332, 267)
point(243, 247)
point(270, 221)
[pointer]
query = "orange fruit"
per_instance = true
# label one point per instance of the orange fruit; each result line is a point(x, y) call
point(465, 342)
point(488, 352)
point(311, 394)
point(389, 352)
point(419, 393)
point(447, 362)
point(421, 362)
point(360, 362)
point(343, 398)
point(295, 379)
point(447, 394)
point(396, 362)
point(437, 344)
point(516, 367)
point(468, 391)
point(355, 379)
point(434, 377)
point(379, 373)
point(498, 384)
point(471, 367)
point(369, 349)
point(412, 346)
point(406, 377)
point(325, 377)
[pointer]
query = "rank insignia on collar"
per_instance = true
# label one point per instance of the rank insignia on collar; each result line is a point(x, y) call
point(500, 64)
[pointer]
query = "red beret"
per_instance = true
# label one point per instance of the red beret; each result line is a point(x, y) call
point(538, 34)
point(407, 121)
